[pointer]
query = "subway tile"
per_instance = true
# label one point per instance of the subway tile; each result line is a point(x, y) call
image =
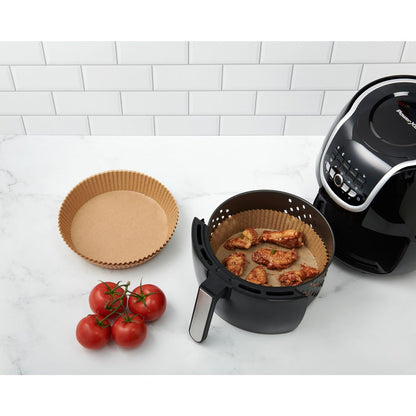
point(22, 103)
point(257, 77)
point(152, 52)
point(187, 125)
point(155, 103)
point(308, 125)
point(224, 52)
point(295, 52)
point(80, 52)
point(187, 77)
point(87, 103)
point(362, 52)
point(326, 77)
point(11, 125)
point(251, 125)
point(409, 52)
point(68, 125)
point(288, 102)
point(6, 81)
point(117, 77)
point(372, 72)
point(22, 53)
point(335, 101)
point(121, 125)
point(45, 77)
point(222, 102)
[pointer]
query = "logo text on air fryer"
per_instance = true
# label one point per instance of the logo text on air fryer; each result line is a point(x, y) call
point(408, 121)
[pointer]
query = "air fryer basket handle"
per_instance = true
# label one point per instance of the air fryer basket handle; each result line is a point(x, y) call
point(209, 292)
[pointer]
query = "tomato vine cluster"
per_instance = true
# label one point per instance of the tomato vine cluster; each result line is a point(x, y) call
point(127, 310)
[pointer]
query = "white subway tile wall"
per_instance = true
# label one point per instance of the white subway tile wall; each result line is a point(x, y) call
point(66, 125)
point(187, 125)
point(6, 80)
point(122, 125)
point(155, 103)
point(187, 77)
point(87, 103)
point(187, 88)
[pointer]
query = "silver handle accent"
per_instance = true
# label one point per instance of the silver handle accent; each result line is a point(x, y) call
point(201, 316)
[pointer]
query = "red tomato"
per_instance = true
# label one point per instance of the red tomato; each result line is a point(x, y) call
point(148, 301)
point(102, 299)
point(91, 333)
point(129, 331)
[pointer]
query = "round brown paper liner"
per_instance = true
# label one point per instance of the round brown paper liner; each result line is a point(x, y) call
point(270, 220)
point(116, 181)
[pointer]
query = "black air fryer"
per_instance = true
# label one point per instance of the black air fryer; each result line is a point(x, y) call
point(366, 173)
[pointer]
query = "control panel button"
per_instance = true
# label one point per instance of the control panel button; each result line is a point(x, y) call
point(361, 180)
point(331, 173)
point(345, 187)
point(338, 180)
point(352, 193)
point(327, 166)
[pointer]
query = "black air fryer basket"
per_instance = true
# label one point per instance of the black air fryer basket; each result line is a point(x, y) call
point(252, 307)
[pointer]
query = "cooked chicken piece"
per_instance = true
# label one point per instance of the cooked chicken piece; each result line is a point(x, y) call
point(257, 276)
point(296, 277)
point(286, 238)
point(275, 259)
point(235, 263)
point(249, 237)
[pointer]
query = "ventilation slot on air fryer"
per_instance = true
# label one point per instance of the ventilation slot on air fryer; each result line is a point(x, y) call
point(249, 289)
point(205, 255)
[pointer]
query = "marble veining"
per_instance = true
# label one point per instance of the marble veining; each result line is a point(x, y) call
point(359, 324)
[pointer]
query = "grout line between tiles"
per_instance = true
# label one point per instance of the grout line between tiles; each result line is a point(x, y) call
point(360, 76)
point(291, 77)
point(324, 63)
point(219, 125)
point(255, 103)
point(322, 103)
point(24, 125)
point(401, 54)
point(188, 103)
point(121, 104)
point(116, 51)
point(330, 55)
point(189, 57)
point(53, 102)
point(260, 51)
point(11, 75)
point(89, 125)
point(82, 77)
point(154, 125)
point(175, 91)
point(43, 52)
point(284, 126)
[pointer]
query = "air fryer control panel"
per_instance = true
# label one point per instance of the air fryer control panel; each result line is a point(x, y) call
point(372, 140)
point(351, 170)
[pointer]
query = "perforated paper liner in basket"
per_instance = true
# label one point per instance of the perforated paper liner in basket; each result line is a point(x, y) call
point(105, 187)
point(271, 220)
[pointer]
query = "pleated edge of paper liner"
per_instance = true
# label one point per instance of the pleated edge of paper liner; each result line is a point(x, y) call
point(267, 215)
point(127, 264)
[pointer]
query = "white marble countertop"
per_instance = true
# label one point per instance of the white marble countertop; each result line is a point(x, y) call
point(359, 324)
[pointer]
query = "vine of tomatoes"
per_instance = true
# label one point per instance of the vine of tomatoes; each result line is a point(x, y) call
point(127, 310)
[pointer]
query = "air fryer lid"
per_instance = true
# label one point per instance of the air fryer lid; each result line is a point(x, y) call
point(393, 120)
